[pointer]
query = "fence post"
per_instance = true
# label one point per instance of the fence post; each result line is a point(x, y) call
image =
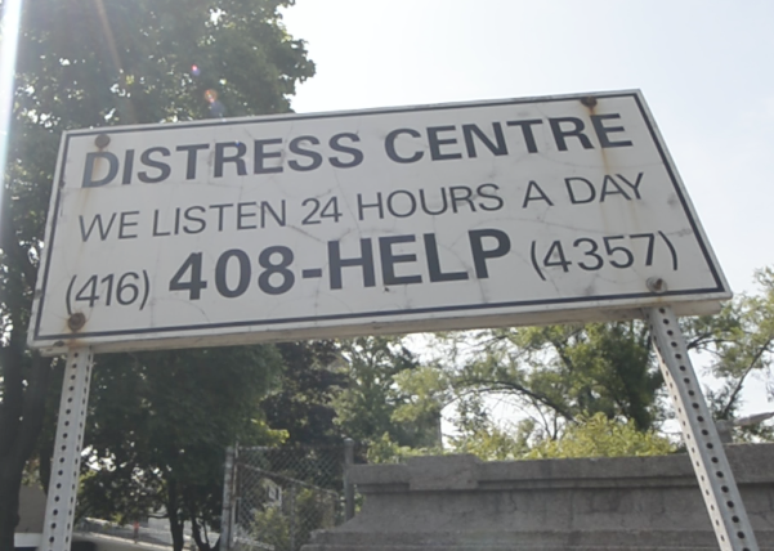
point(226, 516)
point(293, 516)
point(349, 488)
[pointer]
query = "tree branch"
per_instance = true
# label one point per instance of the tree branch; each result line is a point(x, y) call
point(545, 400)
point(738, 387)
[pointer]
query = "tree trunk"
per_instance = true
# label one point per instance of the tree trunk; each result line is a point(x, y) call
point(176, 522)
point(10, 484)
point(196, 532)
point(24, 394)
point(21, 418)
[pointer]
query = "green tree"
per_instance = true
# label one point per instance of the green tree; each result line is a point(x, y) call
point(370, 405)
point(490, 442)
point(90, 64)
point(594, 436)
point(303, 403)
point(739, 343)
point(555, 373)
point(599, 436)
point(160, 424)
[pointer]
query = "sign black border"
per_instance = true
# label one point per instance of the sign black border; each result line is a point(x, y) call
point(378, 314)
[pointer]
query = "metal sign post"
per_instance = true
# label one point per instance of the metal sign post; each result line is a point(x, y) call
point(716, 480)
point(65, 467)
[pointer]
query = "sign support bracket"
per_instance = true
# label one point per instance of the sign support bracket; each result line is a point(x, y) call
point(65, 466)
point(713, 472)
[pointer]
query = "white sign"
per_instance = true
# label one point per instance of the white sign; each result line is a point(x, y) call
point(427, 218)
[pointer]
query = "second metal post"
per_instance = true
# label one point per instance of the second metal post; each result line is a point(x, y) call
point(719, 490)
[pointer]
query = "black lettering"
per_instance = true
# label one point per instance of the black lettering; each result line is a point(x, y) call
point(221, 276)
point(190, 170)
point(241, 215)
point(123, 223)
point(426, 208)
point(436, 143)
point(480, 254)
point(499, 148)
point(603, 131)
point(467, 193)
point(280, 269)
point(389, 145)
point(221, 158)
point(88, 172)
point(497, 199)
point(389, 260)
point(434, 262)
point(156, 232)
point(261, 154)
point(378, 204)
point(96, 221)
point(128, 165)
point(526, 131)
point(267, 208)
point(636, 185)
point(541, 196)
point(357, 155)
point(162, 167)
point(574, 199)
point(336, 263)
point(220, 209)
point(561, 135)
point(607, 183)
point(295, 147)
point(412, 207)
point(187, 215)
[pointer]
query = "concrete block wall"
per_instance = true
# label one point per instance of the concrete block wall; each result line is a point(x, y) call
point(462, 504)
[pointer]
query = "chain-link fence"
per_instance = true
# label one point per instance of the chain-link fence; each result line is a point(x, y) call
point(278, 496)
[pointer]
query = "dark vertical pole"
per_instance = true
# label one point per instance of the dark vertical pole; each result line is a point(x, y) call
point(226, 516)
point(293, 516)
point(349, 488)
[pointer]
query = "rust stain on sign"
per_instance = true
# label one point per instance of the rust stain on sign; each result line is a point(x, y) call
point(590, 102)
point(76, 322)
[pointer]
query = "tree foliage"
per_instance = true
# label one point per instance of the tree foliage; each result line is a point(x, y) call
point(160, 423)
point(587, 436)
point(559, 380)
point(303, 404)
point(84, 63)
point(550, 374)
point(599, 436)
point(738, 345)
point(369, 407)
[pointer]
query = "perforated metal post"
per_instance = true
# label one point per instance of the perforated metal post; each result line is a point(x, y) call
point(65, 466)
point(716, 481)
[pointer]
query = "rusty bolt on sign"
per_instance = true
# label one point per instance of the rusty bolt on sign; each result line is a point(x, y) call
point(656, 284)
point(589, 101)
point(76, 321)
point(102, 140)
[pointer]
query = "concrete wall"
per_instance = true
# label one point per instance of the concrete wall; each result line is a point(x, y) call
point(461, 504)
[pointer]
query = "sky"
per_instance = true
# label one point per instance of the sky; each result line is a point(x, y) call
point(704, 67)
